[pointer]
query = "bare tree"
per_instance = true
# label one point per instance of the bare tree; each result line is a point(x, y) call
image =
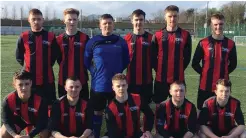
point(14, 13)
point(54, 14)
point(5, 12)
point(158, 16)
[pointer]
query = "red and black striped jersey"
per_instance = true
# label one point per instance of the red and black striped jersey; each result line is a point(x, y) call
point(70, 120)
point(139, 71)
point(71, 59)
point(37, 53)
point(219, 58)
point(171, 54)
point(221, 119)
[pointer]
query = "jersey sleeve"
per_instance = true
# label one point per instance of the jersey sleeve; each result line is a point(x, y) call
point(204, 114)
point(154, 50)
point(88, 55)
point(192, 121)
point(232, 59)
point(148, 114)
point(161, 121)
point(89, 120)
point(125, 54)
point(197, 58)
point(187, 51)
point(239, 118)
point(55, 117)
point(55, 51)
point(20, 50)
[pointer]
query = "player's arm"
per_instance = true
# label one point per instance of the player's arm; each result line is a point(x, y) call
point(88, 54)
point(20, 50)
point(6, 115)
point(192, 121)
point(148, 114)
point(187, 51)
point(89, 122)
point(42, 119)
point(203, 119)
point(59, 55)
point(240, 122)
point(125, 54)
point(154, 52)
point(161, 121)
point(55, 51)
point(197, 58)
point(112, 125)
point(232, 59)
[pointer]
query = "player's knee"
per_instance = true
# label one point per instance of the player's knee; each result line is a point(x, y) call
point(45, 134)
point(4, 133)
point(104, 137)
point(202, 135)
point(157, 135)
point(98, 113)
point(243, 135)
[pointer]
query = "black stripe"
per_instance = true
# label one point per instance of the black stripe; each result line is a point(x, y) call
point(171, 128)
point(223, 55)
point(165, 55)
point(31, 115)
point(32, 38)
point(45, 58)
point(134, 113)
point(177, 54)
point(211, 64)
point(65, 42)
point(215, 120)
point(121, 109)
point(133, 61)
point(144, 58)
point(66, 118)
point(18, 104)
point(77, 60)
point(227, 119)
point(182, 124)
point(79, 123)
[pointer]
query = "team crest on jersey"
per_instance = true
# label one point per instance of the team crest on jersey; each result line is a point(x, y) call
point(77, 44)
point(30, 42)
point(134, 108)
point(79, 114)
point(65, 114)
point(224, 49)
point(64, 45)
point(32, 109)
point(108, 42)
point(120, 114)
point(117, 46)
point(46, 42)
point(229, 114)
point(145, 43)
point(210, 49)
point(178, 39)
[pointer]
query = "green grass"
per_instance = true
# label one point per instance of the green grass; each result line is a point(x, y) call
point(238, 77)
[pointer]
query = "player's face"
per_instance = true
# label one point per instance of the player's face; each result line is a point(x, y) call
point(222, 92)
point(73, 88)
point(138, 22)
point(36, 22)
point(71, 20)
point(106, 26)
point(120, 87)
point(171, 18)
point(177, 92)
point(23, 88)
point(217, 26)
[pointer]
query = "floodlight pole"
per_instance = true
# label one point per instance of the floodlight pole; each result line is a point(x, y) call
point(206, 20)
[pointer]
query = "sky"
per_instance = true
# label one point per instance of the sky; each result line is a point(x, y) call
point(115, 8)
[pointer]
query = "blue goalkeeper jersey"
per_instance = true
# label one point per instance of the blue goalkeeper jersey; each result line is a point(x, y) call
point(104, 57)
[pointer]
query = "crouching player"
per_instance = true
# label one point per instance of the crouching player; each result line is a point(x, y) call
point(221, 115)
point(22, 108)
point(176, 117)
point(70, 116)
point(123, 113)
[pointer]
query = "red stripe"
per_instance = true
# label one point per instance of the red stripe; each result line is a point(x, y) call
point(129, 120)
point(27, 55)
point(60, 43)
point(84, 103)
point(115, 111)
point(149, 69)
point(233, 106)
point(71, 57)
point(205, 46)
point(160, 56)
point(82, 71)
point(170, 62)
point(24, 112)
point(12, 101)
point(211, 104)
point(139, 61)
point(39, 60)
point(222, 120)
point(37, 102)
point(168, 112)
point(72, 120)
point(62, 107)
point(176, 120)
point(184, 35)
point(216, 72)
point(188, 108)
point(50, 75)
point(128, 39)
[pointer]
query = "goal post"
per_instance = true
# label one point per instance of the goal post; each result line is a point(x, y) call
point(240, 40)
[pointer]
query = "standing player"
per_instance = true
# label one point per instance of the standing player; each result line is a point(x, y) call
point(70, 116)
point(105, 55)
point(123, 113)
point(176, 117)
point(72, 44)
point(139, 71)
point(171, 54)
point(219, 59)
point(37, 52)
point(22, 108)
point(221, 115)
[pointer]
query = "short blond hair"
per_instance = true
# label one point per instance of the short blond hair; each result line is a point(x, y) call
point(71, 11)
point(119, 76)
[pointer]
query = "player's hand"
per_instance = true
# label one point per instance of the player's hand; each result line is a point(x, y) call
point(72, 137)
point(227, 136)
point(17, 136)
point(25, 136)
point(147, 134)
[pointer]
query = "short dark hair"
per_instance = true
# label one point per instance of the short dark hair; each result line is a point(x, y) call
point(119, 76)
point(178, 83)
point(22, 75)
point(224, 82)
point(138, 12)
point(35, 11)
point(106, 16)
point(218, 16)
point(171, 8)
point(71, 11)
point(73, 78)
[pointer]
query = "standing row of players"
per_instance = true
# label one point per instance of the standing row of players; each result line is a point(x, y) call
point(168, 52)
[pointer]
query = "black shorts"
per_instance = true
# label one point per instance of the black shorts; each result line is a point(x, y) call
point(161, 92)
point(145, 91)
point(84, 93)
point(47, 91)
point(202, 97)
point(99, 100)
